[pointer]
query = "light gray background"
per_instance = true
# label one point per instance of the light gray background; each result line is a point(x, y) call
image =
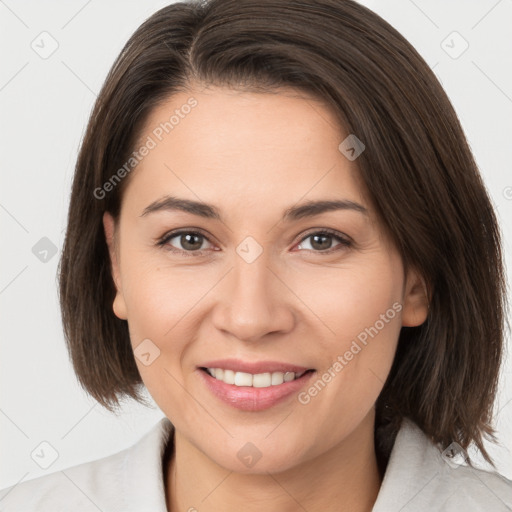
point(45, 104)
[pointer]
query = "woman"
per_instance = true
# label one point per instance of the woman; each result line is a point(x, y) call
point(277, 227)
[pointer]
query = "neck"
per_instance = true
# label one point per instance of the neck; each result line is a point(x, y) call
point(346, 478)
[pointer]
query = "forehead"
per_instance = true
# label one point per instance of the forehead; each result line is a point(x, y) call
point(246, 148)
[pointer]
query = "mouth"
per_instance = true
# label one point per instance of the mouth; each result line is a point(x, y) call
point(253, 389)
point(258, 380)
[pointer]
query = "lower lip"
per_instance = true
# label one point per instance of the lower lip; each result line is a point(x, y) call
point(247, 398)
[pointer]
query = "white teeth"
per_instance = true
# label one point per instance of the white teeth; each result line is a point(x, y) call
point(243, 379)
point(260, 380)
point(229, 377)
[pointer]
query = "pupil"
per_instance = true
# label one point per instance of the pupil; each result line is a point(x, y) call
point(187, 244)
point(321, 245)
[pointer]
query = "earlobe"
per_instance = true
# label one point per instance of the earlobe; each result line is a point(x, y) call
point(109, 227)
point(415, 302)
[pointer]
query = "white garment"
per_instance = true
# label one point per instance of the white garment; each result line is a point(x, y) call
point(417, 479)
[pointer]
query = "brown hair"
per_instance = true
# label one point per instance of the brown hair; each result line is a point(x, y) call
point(417, 168)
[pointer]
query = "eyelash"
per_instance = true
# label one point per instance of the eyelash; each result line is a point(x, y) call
point(163, 242)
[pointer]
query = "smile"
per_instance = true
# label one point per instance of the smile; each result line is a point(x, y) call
point(259, 380)
point(253, 392)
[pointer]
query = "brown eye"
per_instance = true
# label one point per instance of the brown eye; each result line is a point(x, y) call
point(322, 241)
point(191, 242)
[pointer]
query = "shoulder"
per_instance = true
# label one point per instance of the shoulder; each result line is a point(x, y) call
point(421, 477)
point(78, 487)
point(472, 489)
point(113, 483)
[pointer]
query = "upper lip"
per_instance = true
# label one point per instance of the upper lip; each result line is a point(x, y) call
point(253, 367)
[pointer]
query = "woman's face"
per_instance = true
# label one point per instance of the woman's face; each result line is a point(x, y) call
point(254, 278)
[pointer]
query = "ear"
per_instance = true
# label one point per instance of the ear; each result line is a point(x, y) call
point(415, 301)
point(109, 226)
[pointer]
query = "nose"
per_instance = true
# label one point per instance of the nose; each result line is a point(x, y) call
point(254, 302)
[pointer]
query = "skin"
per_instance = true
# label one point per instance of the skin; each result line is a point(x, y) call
point(253, 155)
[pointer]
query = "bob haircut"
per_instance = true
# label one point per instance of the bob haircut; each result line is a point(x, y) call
point(418, 172)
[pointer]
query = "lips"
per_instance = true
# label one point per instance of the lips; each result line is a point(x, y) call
point(237, 365)
point(253, 398)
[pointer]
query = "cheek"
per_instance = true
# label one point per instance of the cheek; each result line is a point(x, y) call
point(351, 298)
point(160, 307)
point(360, 313)
point(158, 297)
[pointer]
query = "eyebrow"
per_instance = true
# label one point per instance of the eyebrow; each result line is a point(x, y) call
point(208, 211)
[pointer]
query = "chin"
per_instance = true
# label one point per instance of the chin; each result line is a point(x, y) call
point(257, 457)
